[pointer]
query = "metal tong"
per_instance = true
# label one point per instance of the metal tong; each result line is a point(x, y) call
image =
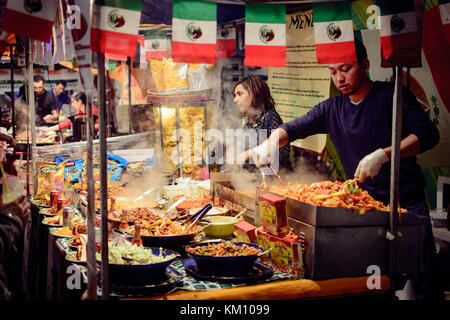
point(264, 184)
point(195, 218)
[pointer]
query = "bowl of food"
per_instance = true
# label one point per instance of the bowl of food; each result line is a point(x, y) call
point(167, 233)
point(138, 265)
point(221, 226)
point(224, 258)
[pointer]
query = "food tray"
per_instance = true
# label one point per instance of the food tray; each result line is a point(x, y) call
point(331, 216)
point(348, 251)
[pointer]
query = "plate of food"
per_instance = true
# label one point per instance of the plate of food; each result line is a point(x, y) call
point(55, 221)
point(74, 257)
point(75, 243)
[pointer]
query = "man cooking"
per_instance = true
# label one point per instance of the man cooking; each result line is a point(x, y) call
point(46, 102)
point(359, 122)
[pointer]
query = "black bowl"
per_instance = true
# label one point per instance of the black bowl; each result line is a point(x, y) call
point(142, 274)
point(172, 241)
point(224, 266)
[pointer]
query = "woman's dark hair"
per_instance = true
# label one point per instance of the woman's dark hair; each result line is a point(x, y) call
point(80, 96)
point(259, 91)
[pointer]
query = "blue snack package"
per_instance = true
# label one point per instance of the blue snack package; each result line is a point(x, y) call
point(59, 159)
point(73, 171)
point(115, 166)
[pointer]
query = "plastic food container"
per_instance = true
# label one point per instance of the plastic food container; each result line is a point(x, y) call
point(221, 226)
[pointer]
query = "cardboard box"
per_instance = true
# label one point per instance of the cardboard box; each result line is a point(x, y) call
point(245, 232)
point(286, 255)
point(272, 209)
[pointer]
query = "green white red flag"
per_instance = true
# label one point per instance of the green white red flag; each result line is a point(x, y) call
point(444, 9)
point(194, 31)
point(400, 37)
point(226, 42)
point(157, 44)
point(115, 27)
point(139, 61)
point(265, 35)
point(30, 19)
point(333, 33)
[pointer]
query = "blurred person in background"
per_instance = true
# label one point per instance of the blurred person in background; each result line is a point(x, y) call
point(13, 220)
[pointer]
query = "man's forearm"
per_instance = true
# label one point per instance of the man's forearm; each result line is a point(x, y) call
point(279, 136)
point(409, 146)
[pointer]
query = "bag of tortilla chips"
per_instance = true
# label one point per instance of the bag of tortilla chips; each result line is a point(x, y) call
point(50, 177)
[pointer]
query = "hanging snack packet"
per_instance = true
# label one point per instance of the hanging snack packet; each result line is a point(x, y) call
point(72, 170)
point(50, 177)
point(115, 167)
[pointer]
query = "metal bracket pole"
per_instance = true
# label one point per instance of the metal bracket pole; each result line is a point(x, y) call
point(395, 168)
point(103, 174)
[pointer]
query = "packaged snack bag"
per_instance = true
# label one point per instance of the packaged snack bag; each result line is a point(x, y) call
point(72, 170)
point(115, 166)
point(50, 177)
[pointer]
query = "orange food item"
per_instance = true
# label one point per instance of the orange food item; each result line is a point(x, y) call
point(345, 194)
point(65, 232)
point(193, 202)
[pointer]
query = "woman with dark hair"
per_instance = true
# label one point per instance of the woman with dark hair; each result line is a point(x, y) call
point(78, 102)
point(256, 105)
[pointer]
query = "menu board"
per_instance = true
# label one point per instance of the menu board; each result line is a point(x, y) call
point(303, 83)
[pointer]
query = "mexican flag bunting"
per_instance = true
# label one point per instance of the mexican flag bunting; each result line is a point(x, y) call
point(30, 19)
point(156, 44)
point(333, 33)
point(444, 9)
point(265, 35)
point(68, 44)
point(115, 26)
point(58, 38)
point(226, 42)
point(194, 31)
point(400, 39)
point(139, 61)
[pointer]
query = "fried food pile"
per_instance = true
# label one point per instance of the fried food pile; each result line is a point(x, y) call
point(345, 194)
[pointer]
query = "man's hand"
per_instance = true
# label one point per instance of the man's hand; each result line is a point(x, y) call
point(20, 207)
point(263, 153)
point(2, 156)
point(370, 165)
point(48, 118)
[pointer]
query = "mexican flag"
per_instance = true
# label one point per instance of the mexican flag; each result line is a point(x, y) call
point(156, 44)
point(400, 39)
point(194, 31)
point(115, 26)
point(226, 42)
point(139, 61)
point(333, 32)
point(265, 35)
point(444, 9)
point(30, 19)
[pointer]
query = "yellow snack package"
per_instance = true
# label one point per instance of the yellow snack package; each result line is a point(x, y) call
point(50, 177)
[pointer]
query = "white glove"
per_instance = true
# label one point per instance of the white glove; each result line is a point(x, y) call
point(370, 165)
point(263, 153)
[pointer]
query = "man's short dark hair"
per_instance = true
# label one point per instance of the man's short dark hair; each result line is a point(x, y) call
point(38, 78)
point(360, 49)
point(63, 82)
